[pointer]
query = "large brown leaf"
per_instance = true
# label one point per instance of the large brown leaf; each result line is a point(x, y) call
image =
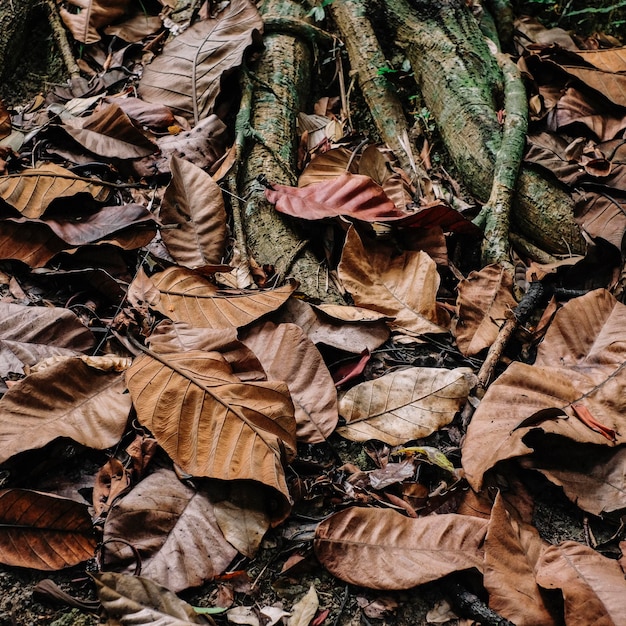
point(193, 209)
point(512, 550)
point(173, 528)
point(484, 302)
point(186, 75)
point(42, 531)
point(327, 166)
point(213, 425)
point(69, 398)
point(287, 354)
point(32, 243)
point(403, 286)
point(187, 297)
point(593, 586)
point(109, 132)
point(90, 15)
point(33, 190)
point(139, 601)
point(382, 549)
point(352, 195)
point(404, 404)
point(601, 215)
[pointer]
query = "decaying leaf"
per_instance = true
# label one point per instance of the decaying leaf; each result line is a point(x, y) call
point(137, 600)
point(42, 531)
point(186, 75)
point(67, 399)
point(194, 217)
point(403, 405)
point(382, 549)
point(213, 425)
point(173, 528)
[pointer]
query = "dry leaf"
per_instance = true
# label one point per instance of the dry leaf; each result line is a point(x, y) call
point(174, 529)
point(186, 75)
point(213, 425)
point(193, 214)
point(88, 16)
point(403, 286)
point(305, 609)
point(381, 549)
point(42, 531)
point(403, 405)
point(328, 166)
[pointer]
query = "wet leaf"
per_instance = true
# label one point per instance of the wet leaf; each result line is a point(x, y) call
point(174, 529)
point(484, 301)
point(67, 399)
point(403, 405)
point(187, 297)
point(186, 75)
point(34, 189)
point(213, 425)
point(288, 355)
point(194, 217)
point(43, 531)
point(140, 601)
point(381, 549)
point(403, 286)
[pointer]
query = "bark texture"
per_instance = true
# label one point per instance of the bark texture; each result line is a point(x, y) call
point(459, 79)
point(278, 85)
point(14, 17)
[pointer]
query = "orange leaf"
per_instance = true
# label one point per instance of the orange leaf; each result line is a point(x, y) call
point(585, 416)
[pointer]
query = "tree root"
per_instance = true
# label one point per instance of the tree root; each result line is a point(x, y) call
point(60, 36)
point(495, 215)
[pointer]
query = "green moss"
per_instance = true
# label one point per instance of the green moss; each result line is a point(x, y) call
point(75, 618)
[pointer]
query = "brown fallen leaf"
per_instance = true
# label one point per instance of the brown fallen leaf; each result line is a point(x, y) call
point(139, 600)
point(193, 214)
point(89, 16)
point(211, 424)
point(174, 529)
point(43, 531)
point(327, 166)
point(381, 549)
point(186, 75)
point(403, 286)
point(403, 405)
point(112, 480)
point(593, 586)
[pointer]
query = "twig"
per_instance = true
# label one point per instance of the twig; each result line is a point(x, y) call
point(470, 605)
point(60, 36)
point(532, 298)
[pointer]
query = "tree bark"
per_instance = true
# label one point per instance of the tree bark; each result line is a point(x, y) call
point(14, 17)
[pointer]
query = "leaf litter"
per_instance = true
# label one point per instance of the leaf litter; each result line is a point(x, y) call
point(170, 431)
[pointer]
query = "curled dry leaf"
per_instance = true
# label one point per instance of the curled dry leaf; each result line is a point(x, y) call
point(593, 586)
point(90, 15)
point(287, 354)
point(381, 549)
point(174, 529)
point(66, 399)
point(213, 425)
point(34, 189)
point(140, 601)
point(512, 550)
point(43, 531)
point(485, 301)
point(187, 297)
point(327, 166)
point(403, 405)
point(305, 609)
point(194, 217)
point(403, 286)
point(144, 113)
point(186, 75)
point(110, 133)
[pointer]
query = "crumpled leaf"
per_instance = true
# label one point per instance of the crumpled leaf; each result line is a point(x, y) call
point(287, 354)
point(140, 601)
point(88, 16)
point(404, 404)
point(34, 189)
point(43, 531)
point(381, 549)
point(593, 586)
point(188, 297)
point(213, 425)
point(485, 301)
point(193, 209)
point(186, 75)
point(69, 398)
point(174, 529)
point(403, 287)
